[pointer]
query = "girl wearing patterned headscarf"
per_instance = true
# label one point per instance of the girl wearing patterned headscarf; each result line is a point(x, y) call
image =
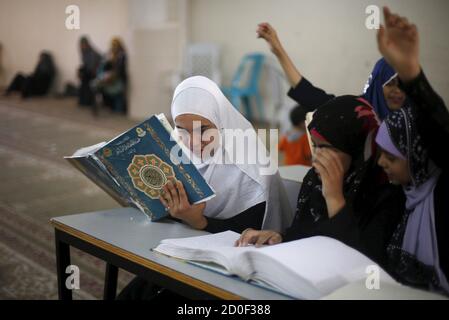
point(418, 252)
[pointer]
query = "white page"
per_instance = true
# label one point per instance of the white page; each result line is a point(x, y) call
point(222, 239)
point(325, 262)
point(218, 248)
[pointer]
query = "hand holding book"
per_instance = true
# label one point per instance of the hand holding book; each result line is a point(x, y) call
point(137, 165)
point(175, 200)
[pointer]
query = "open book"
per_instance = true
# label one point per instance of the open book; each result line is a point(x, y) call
point(309, 268)
point(134, 167)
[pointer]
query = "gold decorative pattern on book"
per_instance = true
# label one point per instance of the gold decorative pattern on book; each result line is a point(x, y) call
point(149, 174)
point(130, 190)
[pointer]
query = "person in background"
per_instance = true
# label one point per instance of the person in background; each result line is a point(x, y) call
point(90, 61)
point(39, 82)
point(112, 78)
point(419, 249)
point(295, 144)
point(381, 89)
point(1, 64)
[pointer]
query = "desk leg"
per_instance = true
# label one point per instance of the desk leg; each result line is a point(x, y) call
point(62, 262)
point(110, 282)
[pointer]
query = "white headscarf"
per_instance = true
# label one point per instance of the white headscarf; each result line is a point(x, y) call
point(238, 186)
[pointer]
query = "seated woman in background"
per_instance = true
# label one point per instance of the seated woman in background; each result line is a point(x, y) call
point(39, 82)
point(244, 197)
point(419, 250)
point(345, 195)
point(112, 78)
point(381, 89)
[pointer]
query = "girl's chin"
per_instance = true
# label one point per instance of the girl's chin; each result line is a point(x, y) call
point(395, 104)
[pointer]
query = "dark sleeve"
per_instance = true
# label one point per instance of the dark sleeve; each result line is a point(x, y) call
point(432, 118)
point(250, 218)
point(308, 96)
point(343, 227)
point(441, 201)
point(367, 229)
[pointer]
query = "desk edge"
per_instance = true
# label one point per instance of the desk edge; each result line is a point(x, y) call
point(220, 293)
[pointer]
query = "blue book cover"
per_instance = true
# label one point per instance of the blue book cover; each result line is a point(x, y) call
point(135, 166)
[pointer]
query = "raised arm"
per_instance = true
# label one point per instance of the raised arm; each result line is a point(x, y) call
point(302, 91)
point(398, 41)
point(267, 32)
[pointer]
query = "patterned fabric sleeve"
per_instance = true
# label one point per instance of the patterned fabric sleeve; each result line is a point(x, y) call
point(432, 118)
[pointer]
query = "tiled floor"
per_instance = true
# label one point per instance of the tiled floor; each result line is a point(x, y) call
point(36, 183)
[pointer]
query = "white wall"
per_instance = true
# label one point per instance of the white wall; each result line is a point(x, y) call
point(27, 27)
point(157, 30)
point(327, 39)
point(153, 31)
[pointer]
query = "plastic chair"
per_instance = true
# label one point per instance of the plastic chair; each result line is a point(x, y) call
point(245, 85)
point(200, 59)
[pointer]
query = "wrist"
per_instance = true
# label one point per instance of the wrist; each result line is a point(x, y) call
point(279, 51)
point(410, 72)
point(335, 204)
point(199, 223)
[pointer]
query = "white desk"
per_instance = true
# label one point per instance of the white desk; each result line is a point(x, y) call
point(123, 238)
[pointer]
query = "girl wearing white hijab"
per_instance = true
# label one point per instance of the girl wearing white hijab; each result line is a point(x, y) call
point(245, 198)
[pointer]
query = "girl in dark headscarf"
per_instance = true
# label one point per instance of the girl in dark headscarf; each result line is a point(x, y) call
point(344, 196)
point(381, 89)
point(411, 156)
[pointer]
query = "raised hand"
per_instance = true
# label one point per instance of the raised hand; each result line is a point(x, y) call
point(398, 41)
point(267, 32)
